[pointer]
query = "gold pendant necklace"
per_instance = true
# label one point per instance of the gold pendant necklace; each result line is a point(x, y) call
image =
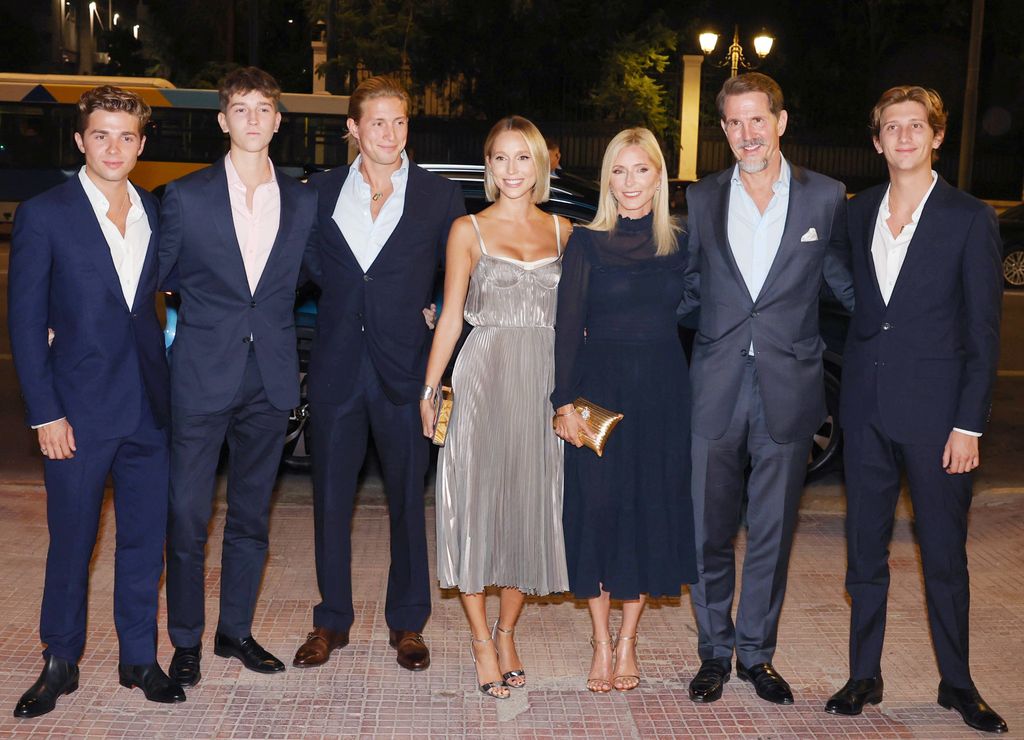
point(377, 196)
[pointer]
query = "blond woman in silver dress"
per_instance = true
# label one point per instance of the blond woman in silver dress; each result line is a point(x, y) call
point(499, 478)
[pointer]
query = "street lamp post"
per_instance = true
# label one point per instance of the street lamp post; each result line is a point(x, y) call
point(734, 58)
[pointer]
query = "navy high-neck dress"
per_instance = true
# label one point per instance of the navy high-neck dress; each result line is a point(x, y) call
point(627, 516)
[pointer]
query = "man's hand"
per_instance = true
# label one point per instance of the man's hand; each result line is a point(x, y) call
point(430, 315)
point(57, 440)
point(961, 453)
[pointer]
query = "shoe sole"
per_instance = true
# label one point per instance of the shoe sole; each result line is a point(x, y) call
point(72, 688)
point(225, 653)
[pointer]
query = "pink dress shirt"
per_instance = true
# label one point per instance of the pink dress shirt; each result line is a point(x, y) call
point(255, 230)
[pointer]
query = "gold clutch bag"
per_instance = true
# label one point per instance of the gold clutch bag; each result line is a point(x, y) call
point(600, 423)
point(442, 413)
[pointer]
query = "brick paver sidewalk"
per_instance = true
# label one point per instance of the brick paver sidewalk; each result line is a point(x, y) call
point(362, 692)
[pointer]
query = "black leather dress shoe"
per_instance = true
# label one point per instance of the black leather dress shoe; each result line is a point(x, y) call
point(706, 686)
point(850, 699)
point(184, 668)
point(57, 678)
point(247, 650)
point(155, 684)
point(413, 654)
point(975, 712)
point(768, 684)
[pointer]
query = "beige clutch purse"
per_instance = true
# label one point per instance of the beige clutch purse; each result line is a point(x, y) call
point(600, 421)
point(442, 413)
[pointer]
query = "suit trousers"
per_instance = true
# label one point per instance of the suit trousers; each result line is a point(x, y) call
point(339, 434)
point(941, 501)
point(138, 465)
point(773, 489)
point(255, 432)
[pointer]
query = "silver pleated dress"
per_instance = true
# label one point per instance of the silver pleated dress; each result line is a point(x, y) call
point(499, 475)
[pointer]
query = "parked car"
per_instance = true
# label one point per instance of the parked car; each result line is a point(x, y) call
point(1011, 228)
point(576, 199)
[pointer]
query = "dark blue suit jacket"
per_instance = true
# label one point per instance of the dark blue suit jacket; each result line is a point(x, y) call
point(380, 311)
point(928, 358)
point(106, 357)
point(200, 257)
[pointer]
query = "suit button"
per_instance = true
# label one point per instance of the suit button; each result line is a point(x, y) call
point(245, 340)
point(886, 326)
point(359, 315)
point(252, 304)
point(743, 352)
point(876, 363)
point(754, 314)
point(367, 278)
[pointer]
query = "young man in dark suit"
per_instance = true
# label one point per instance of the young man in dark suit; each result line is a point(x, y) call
point(83, 264)
point(233, 242)
point(765, 235)
point(382, 228)
point(918, 371)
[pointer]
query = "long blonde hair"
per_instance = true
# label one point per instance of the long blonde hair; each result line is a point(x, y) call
point(666, 228)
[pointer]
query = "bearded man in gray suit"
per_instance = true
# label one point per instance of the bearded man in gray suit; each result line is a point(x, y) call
point(765, 236)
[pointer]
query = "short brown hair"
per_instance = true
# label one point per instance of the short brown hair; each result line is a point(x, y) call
point(380, 86)
point(113, 100)
point(534, 142)
point(748, 83)
point(246, 80)
point(927, 97)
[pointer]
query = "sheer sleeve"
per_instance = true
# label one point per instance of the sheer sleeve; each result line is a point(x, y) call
point(570, 319)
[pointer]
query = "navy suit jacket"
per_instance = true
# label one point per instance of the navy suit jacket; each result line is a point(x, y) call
point(200, 257)
point(782, 320)
point(107, 358)
point(927, 360)
point(379, 312)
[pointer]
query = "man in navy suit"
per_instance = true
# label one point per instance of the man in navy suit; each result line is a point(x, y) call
point(233, 242)
point(83, 263)
point(382, 228)
point(918, 370)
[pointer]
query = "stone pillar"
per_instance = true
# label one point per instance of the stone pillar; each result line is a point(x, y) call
point(689, 116)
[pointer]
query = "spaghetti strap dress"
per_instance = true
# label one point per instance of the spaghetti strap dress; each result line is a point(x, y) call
point(499, 477)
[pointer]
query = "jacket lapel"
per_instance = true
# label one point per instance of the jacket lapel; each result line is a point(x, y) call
point(84, 225)
point(330, 231)
point(721, 222)
point(867, 236)
point(224, 221)
point(794, 222)
point(284, 185)
point(149, 263)
point(928, 231)
point(413, 197)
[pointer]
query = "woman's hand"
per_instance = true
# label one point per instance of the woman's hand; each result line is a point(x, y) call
point(568, 424)
point(427, 417)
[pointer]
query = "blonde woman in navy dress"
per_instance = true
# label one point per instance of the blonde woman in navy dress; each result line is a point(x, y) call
point(627, 515)
point(499, 477)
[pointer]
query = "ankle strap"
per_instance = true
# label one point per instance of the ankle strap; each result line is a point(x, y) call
point(480, 641)
point(504, 631)
point(629, 637)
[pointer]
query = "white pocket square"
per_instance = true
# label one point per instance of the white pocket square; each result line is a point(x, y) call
point(810, 236)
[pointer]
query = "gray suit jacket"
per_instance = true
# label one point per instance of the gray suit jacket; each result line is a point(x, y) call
point(782, 321)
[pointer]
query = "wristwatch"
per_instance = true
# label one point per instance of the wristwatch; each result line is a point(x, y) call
point(426, 393)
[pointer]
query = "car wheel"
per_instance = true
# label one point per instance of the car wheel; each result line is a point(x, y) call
point(297, 439)
point(1013, 268)
point(828, 440)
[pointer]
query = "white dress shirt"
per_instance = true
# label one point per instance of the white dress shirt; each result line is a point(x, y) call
point(366, 236)
point(888, 252)
point(754, 236)
point(128, 252)
point(256, 229)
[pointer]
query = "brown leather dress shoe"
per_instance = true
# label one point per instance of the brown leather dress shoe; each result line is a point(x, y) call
point(413, 654)
point(319, 645)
